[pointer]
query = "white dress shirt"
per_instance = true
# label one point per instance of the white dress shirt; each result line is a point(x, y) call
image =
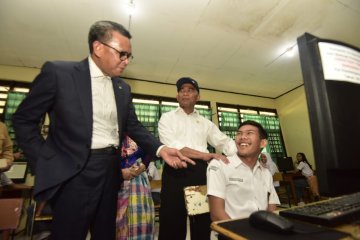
point(178, 129)
point(105, 124)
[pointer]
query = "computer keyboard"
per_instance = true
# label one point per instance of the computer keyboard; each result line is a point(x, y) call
point(330, 212)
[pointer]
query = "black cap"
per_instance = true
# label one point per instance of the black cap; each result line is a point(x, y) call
point(184, 80)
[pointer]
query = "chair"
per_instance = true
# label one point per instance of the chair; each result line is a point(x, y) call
point(196, 199)
point(283, 191)
point(38, 215)
point(10, 213)
point(156, 184)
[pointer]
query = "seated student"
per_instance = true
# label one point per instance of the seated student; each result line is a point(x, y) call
point(242, 186)
point(267, 162)
point(6, 155)
point(6, 159)
point(153, 174)
point(306, 170)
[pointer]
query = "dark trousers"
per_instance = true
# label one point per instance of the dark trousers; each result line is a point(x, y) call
point(173, 214)
point(88, 201)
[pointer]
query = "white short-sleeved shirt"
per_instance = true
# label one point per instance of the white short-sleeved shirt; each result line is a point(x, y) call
point(305, 169)
point(178, 129)
point(153, 172)
point(244, 190)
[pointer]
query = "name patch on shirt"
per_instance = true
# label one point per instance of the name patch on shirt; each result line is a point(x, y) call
point(232, 179)
point(213, 168)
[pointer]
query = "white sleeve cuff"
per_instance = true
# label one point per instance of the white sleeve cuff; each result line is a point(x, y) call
point(158, 150)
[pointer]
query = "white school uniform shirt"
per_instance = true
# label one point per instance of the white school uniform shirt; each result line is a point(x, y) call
point(244, 190)
point(305, 169)
point(153, 172)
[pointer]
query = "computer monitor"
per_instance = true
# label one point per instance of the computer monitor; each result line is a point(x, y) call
point(331, 76)
point(17, 172)
point(285, 164)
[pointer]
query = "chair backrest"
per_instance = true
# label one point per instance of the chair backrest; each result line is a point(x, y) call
point(10, 213)
point(277, 176)
point(196, 200)
point(155, 184)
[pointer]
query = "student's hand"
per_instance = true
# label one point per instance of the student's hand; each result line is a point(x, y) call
point(18, 155)
point(174, 158)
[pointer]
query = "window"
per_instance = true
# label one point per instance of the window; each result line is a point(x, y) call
point(150, 108)
point(230, 117)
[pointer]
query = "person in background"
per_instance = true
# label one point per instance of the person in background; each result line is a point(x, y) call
point(153, 174)
point(6, 159)
point(185, 129)
point(267, 162)
point(243, 186)
point(310, 179)
point(77, 167)
point(6, 155)
point(135, 215)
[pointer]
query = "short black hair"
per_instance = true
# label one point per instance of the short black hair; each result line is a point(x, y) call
point(102, 31)
point(262, 132)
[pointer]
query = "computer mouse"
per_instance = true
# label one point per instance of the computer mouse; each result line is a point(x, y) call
point(270, 221)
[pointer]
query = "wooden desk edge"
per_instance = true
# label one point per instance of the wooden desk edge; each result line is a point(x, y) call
point(345, 228)
point(225, 232)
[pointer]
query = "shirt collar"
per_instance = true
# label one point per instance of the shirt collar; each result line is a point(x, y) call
point(95, 71)
point(179, 109)
point(237, 162)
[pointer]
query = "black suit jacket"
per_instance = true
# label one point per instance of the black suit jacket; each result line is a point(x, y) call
point(63, 90)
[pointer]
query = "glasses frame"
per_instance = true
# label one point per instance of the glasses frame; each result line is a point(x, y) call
point(123, 55)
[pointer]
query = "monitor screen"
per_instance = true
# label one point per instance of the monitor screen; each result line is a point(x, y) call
point(285, 164)
point(17, 172)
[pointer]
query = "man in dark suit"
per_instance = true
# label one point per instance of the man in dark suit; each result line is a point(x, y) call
point(77, 167)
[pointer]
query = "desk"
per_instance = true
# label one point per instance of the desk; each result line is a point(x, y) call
point(289, 177)
point(16, 191)
point(226, 232)
point(241, 230)
point(20, 191)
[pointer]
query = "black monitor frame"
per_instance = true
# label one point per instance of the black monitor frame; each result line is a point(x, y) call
point(285, 164)
point(334, 120)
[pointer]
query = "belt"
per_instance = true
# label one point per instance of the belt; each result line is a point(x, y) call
point(107, 150)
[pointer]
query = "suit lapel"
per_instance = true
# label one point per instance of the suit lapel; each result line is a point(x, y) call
point(83, 86)
point(119, 95)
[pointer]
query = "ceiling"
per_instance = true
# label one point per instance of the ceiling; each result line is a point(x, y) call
point(229, 45)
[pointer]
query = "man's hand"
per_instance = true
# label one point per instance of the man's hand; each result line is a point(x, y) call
point(216, 156)
point(174, 158)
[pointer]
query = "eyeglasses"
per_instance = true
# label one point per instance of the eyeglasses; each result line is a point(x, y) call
point(122, 54)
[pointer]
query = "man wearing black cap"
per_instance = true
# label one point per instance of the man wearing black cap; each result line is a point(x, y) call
point(185, 129)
